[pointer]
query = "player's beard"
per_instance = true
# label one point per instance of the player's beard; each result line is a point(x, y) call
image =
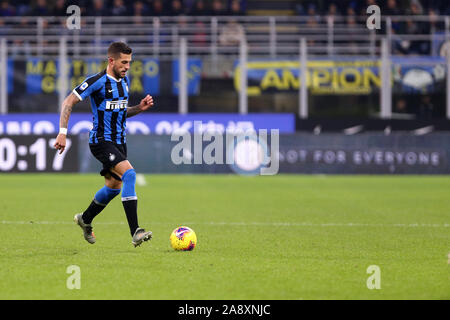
point(118, 74)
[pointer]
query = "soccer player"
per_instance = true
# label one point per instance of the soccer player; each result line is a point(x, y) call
point(108, 92)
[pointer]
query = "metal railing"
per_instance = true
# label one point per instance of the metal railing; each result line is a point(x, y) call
point(269, 36)
point(178, 37)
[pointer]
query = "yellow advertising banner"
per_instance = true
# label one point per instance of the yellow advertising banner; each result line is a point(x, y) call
point(323, 76)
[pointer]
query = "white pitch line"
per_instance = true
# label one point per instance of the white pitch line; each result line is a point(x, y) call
point(267, 224)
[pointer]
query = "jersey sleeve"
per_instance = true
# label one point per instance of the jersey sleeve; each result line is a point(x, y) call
point(89, 86)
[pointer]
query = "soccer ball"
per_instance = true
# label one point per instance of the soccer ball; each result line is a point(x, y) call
point(183, 238)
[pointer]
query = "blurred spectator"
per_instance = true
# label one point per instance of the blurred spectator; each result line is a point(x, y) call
point(332, 10)
point(6, 10)
point(426, 108)
point(188, 5)
point(183, 27)
point(41, 9)
point(312, 21)
point(197, 35)
point(60, 11)
point(231, 34)
point(119, 8)
point(22, 7)
point(176, 8)
point(392, 8)
point(3, 28)
point(417, 27)
point(235, 8)
point(157, 8)
point(21, 47)
point(313, 17)
point(412, 27)
point(200, 9)
point(98, 9)
point(363, 8)
point(60, 8)
point(201, 34)
point(299, 9)
point(434, 24)
point(351, 12)
point(218, 8)
point(221, 7)
point(415, 8)
point(84, 5)
point(139, 9)
point(400, 106)
point(352, 25)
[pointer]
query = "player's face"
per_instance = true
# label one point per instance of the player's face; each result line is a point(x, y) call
point(120, 65)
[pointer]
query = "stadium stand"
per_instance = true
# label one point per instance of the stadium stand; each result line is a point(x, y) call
point(215, 28)
point(321, 22)
point(220, 7)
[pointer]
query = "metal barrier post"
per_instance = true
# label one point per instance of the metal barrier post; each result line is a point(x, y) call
point(156, 28)
point(40, 36)
point(98, 35)
point(303, 85)
point(183, 80)
point(243, 98)
point(214, 41)
point(389, 30)
point(3, 77)
point(447, 28)
point(448, 83)
point(63, 81)
point(386, 79)
point(447, 38)
point(330, 35)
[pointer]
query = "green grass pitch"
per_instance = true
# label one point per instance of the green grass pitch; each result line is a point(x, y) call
point(278, 237)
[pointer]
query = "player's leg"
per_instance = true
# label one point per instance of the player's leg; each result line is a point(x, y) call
point(103, 196)
point(129, 198)
point(125, 170)
point(100, 201)
point(102, 152)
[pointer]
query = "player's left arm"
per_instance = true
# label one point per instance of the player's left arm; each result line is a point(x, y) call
point(145, 104)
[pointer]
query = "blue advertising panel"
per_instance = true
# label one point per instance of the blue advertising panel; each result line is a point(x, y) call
point(194, 68)
point(42, 75)
point(150, 79)
point(148, 123)
point(419, 75)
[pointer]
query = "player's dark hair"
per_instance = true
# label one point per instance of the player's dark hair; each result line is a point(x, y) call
point(116, 48)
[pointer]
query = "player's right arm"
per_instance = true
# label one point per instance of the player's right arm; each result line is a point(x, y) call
point(81, 92)
point(66, 110)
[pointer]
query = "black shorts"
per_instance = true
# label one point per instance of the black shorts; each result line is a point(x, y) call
point(109, 154)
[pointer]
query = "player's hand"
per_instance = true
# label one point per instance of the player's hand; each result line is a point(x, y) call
point(146, 103)
point(60, 143)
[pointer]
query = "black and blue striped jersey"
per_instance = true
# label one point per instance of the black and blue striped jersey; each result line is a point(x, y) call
point(109, 101)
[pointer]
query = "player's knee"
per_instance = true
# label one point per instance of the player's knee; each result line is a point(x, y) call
point(129, 182)
point(129, 177)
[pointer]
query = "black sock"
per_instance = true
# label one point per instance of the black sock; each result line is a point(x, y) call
point(130, 207)
point(92, 211)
